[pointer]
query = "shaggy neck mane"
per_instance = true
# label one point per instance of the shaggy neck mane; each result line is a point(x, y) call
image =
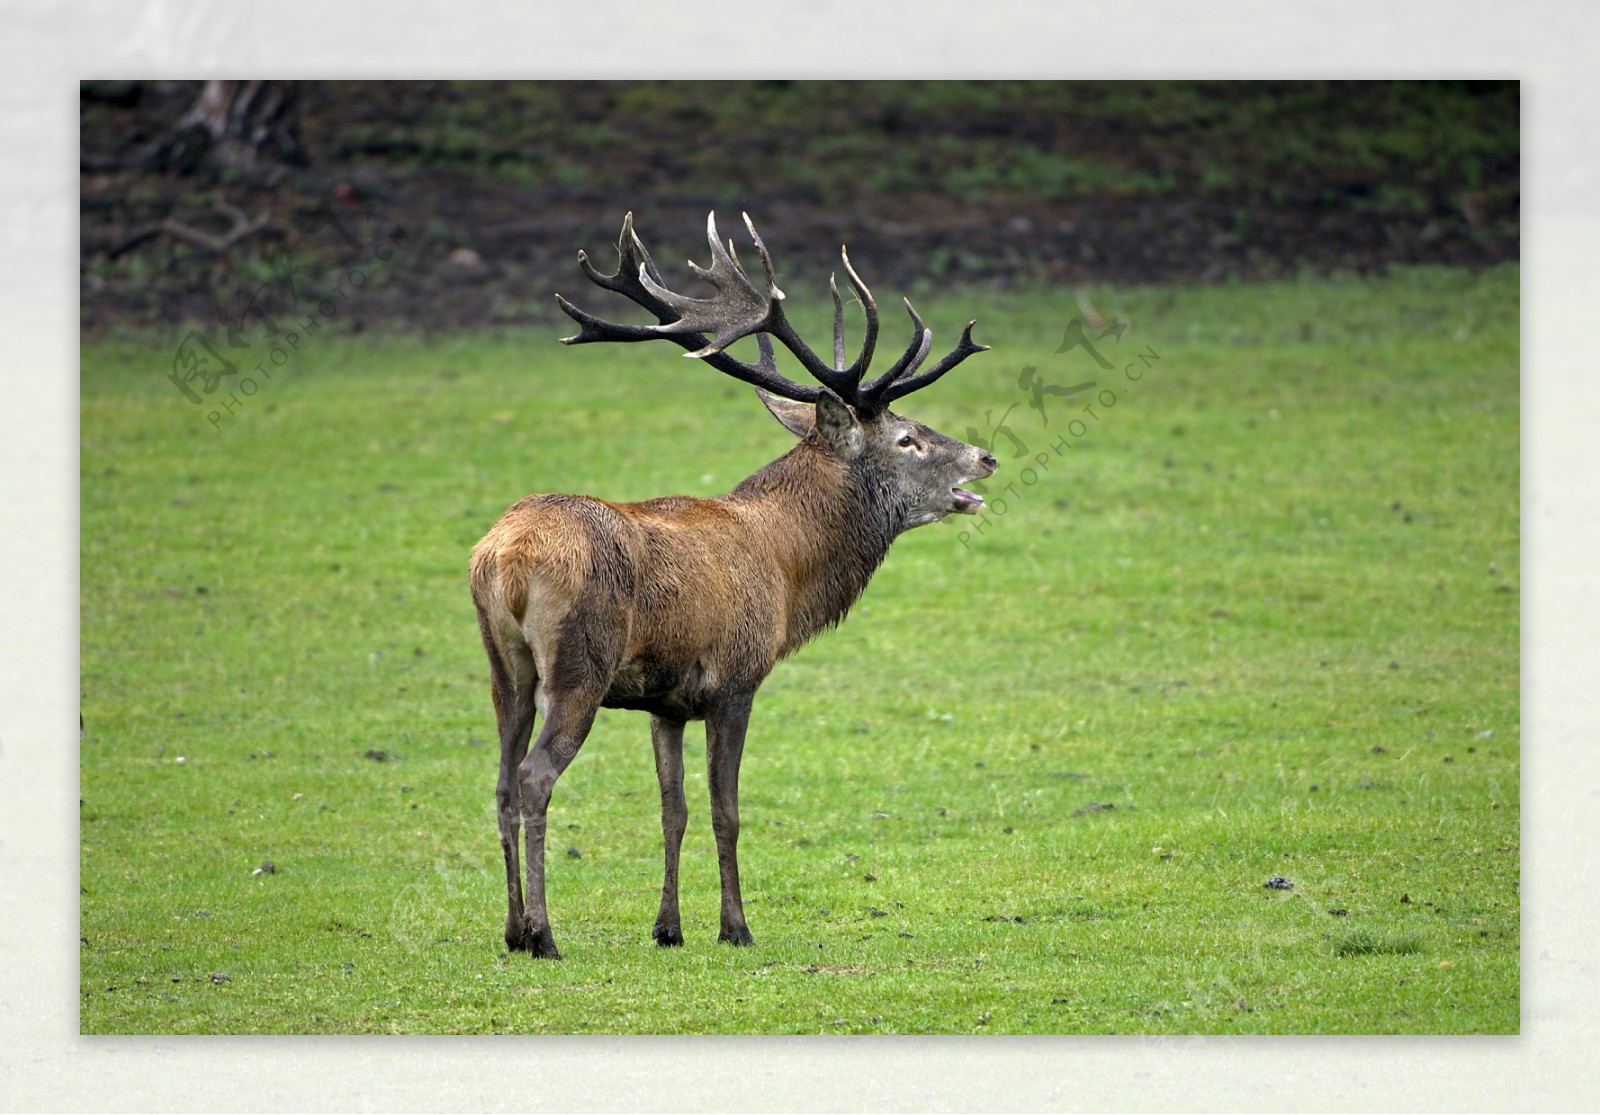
point(829, 531)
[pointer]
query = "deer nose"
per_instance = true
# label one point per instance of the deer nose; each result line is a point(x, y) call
point(988, 460)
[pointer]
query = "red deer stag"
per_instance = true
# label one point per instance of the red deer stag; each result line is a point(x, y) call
point(680, 607)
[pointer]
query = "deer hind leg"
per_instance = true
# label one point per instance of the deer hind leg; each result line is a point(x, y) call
point(567, 720)
point(573, 680)
point(512, 685)
point(666, 737)
point(725, 729)
point(516, 726)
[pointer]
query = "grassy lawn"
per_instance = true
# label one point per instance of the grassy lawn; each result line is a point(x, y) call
point(1258, 619)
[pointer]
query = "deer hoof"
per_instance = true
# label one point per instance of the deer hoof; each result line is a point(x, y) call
point(544, 944)
point(739, 936)
point(540, 942)
point(667, 936)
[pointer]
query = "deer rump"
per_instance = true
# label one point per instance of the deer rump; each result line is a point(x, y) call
point(680, 607)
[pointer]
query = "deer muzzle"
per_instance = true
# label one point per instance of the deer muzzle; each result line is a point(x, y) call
point(970, 503)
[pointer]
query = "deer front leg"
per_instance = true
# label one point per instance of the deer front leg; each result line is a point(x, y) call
point(666, 737)
point(725, 728)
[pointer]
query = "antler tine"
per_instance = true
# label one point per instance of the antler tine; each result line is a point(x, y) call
point(592, 328)
point(916, 352)
point(633, 260)
point(905, 386)
point(766, 260)
point(869, 340)
point(838, 325)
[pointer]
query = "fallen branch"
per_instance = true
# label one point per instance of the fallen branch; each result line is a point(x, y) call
point(243, 228)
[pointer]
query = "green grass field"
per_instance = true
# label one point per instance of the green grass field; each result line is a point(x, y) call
point(1260, 618)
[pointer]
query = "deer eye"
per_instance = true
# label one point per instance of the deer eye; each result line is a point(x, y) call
point(906, 441)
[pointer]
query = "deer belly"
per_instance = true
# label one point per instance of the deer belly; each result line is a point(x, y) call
point(649, 685)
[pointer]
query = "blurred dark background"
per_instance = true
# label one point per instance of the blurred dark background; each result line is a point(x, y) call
point(200, 200)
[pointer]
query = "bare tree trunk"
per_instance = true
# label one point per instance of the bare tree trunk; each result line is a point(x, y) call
point(239, 124)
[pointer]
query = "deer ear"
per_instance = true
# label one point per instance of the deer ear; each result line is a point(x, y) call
point(796, 417)
point(838, 426)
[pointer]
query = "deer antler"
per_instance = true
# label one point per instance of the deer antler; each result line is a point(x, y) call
point(740, 308)
point(634, 271)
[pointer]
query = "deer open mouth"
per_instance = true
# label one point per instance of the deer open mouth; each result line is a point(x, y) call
point(967, 503)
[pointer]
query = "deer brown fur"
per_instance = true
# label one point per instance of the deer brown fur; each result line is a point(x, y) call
point(680, 607)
